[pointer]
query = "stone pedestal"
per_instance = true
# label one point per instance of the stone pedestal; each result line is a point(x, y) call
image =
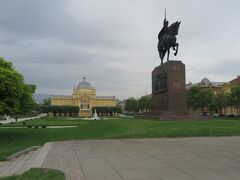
point(168, 90)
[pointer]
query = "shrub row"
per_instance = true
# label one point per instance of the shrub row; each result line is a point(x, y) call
point(107, 109)
point(59, 109)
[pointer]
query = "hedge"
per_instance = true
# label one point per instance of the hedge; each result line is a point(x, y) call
point(107, 109)
point(59, 109)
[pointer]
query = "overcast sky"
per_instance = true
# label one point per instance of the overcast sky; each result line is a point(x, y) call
point(53, 43)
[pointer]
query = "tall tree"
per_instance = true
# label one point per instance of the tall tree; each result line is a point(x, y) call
point(47, 101)
point(206, 100)
point(222, 101)
point(148, 103)
point(193, 98)
point(197, 98)
point(131, 105)
point(144, 103)
point(27, 102)
point(15, 95)
point(235, 97)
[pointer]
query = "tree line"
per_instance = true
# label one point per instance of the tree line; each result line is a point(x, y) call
point(133, 105)
point(206, 99)
point(197, 99)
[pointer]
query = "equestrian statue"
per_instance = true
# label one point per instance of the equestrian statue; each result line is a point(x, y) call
point(167, 39)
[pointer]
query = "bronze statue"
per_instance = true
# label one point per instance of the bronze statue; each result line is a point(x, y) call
point(167, 39)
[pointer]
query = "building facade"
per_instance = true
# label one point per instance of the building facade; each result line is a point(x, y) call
point(84, 96)
point(217, 87)
point(206, 84)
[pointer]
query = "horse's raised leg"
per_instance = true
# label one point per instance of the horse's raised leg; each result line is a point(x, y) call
point(168, 52)
point(176, 51)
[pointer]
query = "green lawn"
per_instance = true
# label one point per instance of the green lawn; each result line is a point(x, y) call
point(38, 174)
point(13, 140)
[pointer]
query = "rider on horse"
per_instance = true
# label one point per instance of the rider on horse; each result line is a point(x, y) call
point(162, 34)
point(167, 39)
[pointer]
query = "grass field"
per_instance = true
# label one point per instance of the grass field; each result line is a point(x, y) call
point(38, 174)
point(13, 140)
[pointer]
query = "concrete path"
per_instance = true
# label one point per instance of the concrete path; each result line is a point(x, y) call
point(18, 165)
point(148, 159)
point(143, 159)
point(9, 119)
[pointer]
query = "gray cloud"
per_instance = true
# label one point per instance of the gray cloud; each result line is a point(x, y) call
point(54, 43)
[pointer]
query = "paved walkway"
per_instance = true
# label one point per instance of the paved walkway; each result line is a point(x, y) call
point(146, 159)
point(9, 119)
point(18, 165)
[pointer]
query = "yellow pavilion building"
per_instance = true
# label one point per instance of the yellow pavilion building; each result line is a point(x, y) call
point(84, 96)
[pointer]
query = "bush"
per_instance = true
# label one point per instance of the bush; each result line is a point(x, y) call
point(58, 109)
point(107, 109)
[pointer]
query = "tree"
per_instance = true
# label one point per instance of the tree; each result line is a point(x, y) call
point(193, 97)
point(148, 105)
point(131, 105)
point(197, 98)
point(222, 101)
point(47, 101)
point(206, 100)
point(15, 95)
point(27, 102)
point(144, 103)
point(235, 97)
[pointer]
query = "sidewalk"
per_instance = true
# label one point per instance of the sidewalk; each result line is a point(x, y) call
point(201, 158)
point(18, 165)
point(9, 120)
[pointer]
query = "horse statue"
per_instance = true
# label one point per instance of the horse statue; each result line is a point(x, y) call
point(167, 39)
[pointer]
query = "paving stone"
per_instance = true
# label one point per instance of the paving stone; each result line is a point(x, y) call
point(206, 158)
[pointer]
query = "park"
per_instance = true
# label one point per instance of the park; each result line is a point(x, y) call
point(113, 129)
point(118, 96)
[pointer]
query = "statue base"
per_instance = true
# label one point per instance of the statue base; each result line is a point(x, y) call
point(169, 91)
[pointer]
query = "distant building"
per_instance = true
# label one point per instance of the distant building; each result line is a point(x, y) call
point(84, 96)
point(206, 84)
point(226, 87)
point(217, 87)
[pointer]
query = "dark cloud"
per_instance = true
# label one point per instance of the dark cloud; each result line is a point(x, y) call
point(54, 43)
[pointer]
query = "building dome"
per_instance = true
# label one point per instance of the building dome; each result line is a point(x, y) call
point(84, 84)
point(205, 81)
